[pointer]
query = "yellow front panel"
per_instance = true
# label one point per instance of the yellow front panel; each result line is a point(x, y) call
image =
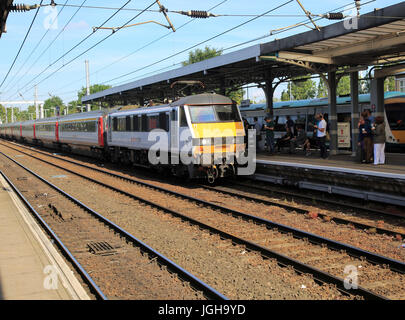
point(218, 129)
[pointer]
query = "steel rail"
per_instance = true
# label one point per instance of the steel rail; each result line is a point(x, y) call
point(310, 197)
point(88, 279)
point(373, 258)
point(358, 225)
point(194, 281)
point(300, 267)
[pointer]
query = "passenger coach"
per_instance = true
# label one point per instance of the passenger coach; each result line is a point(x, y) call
point(199, 136)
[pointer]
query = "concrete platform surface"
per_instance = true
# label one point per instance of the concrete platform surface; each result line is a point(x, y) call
point(30, 267)
point(394, 165)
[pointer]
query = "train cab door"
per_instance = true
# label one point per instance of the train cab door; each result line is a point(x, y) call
point(109, 129)
point(174, 135)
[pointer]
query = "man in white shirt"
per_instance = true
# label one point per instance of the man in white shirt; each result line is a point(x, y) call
point(321, 134)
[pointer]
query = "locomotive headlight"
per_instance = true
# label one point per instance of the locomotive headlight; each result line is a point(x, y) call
point(205, 142)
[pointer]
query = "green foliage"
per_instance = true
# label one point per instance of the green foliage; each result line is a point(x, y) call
point(343, 86)
point(50, 106)
point(199, 55)
point(93, 89)
point(236, 95)
point(301, 88)
point(322, 91)
point(2, 113)
point(389, 84)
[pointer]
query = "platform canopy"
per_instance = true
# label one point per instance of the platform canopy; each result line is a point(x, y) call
point(377, 37)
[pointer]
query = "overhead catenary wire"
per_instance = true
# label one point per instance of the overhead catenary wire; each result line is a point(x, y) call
point(93, 46)
point(143, 47)
point(74, 47)
point(228, 48)
point(297, 25)
point(21, 46)
point(202, 42)
point(35, 48)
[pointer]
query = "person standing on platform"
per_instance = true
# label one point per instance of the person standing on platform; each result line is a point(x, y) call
point(246, 126)
point(370, 117)
point(269, 129)
point(379, 140)
point(368, 137)
point(365, 139)
point(258, 129)
point(321, 134)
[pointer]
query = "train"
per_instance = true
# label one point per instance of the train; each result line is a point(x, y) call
point(198, 136)
point(303, 112)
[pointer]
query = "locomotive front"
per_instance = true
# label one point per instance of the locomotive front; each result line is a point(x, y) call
point(217, 135)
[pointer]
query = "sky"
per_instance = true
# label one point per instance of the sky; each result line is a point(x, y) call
point(57, 67)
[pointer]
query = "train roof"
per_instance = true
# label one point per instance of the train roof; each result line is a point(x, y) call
point(204, 98)
point(82, 115)
point(363, 98)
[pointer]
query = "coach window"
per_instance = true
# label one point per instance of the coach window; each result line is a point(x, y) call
point(115, 124)
point(164, 121)
point(128, 123)
point(144, 123)
point(135, 123)
point(153, 122)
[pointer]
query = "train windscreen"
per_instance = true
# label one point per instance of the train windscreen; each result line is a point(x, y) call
point(214, 113)
point(396, 115)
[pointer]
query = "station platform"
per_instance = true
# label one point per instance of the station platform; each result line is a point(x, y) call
point(341, 174)
point(30, 267)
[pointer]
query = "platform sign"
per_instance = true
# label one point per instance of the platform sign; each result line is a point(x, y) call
point(343, 134)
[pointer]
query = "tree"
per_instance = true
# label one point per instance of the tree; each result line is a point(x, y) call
point(300, 88)
point(199, 55)
point(322, 91)
point(285, 96)
point(51, 104)
point(235, 95)
point(389, 84)
point(93, 89)
point(2, 113)
point(343, 87)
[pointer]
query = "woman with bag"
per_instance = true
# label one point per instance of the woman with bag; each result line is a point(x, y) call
point(379, 140)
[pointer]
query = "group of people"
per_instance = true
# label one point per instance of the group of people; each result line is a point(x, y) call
point(371, 136)
point(291, 138)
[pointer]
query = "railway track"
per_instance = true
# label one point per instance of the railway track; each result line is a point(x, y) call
point(373, 227)
point(91, 241)
point(310, 196)
point(287, 239)
point(329, 217)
